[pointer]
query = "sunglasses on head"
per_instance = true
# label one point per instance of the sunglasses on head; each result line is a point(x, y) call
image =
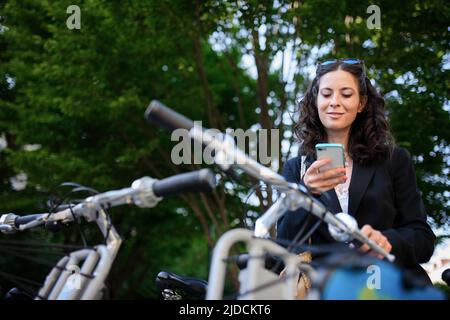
point(345, 60)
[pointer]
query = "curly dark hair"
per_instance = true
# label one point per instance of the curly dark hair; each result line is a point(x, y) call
point(370, 138)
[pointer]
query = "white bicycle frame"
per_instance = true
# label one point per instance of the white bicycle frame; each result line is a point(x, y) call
point(81, 275)
point(256, 282)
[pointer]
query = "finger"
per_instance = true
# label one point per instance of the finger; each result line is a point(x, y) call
point(315, 190)
point(367, 230)
point(327, 183)
point(388, 247)
point(378, 238)
point(375, 236)
point(332, 173)
point(382, 242)
point(333, 181)
point(323, 190)
point(376, 254)
point(326, 187)
point(312, 182)
point(315, 180)
point(317, 164)
point(364, 248)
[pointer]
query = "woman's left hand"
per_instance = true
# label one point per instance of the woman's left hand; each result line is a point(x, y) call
point(377, 237)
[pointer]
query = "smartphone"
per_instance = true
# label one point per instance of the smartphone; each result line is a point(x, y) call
point(334, 151)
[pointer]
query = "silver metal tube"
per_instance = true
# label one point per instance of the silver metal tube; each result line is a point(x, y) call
point(113, 198)
point(100, 273)
point(51, 279)
point(237, 157)
point(57, 285)
point(217, 271)
point(374, 246)
point(258, 276)
point(107, 255)
point(257, 246)
point(72, 264)
point(74, 292)
point(270, 217)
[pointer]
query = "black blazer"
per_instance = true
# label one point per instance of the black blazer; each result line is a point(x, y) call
point(384, 195)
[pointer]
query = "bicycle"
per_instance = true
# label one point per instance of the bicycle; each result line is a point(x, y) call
point(81, 274)
point(256, 281)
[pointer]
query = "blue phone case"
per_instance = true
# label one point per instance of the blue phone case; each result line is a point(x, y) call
point(335, 151)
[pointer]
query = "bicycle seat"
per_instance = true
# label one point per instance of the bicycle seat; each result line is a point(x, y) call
point(17, 294)
point(176, 287)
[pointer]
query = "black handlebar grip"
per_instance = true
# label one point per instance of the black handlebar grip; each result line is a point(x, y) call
point(161, 115)
point(25, 219)
point(197, 181)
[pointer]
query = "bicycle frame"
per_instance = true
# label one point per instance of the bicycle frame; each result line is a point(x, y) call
point(256, 282)
point(81, 274)
point(92, 266)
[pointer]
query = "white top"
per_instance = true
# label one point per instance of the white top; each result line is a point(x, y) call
point(342, 189)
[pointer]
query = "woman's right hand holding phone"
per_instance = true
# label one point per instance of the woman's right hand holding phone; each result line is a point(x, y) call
point(319, 182)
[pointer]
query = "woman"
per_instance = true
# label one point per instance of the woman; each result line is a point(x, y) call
point(379, 186)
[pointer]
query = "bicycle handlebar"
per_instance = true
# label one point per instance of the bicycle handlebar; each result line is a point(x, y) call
point(196, 181)
point(145, 192)
point(11, 222)
point(27, 218)
point(161, 115)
